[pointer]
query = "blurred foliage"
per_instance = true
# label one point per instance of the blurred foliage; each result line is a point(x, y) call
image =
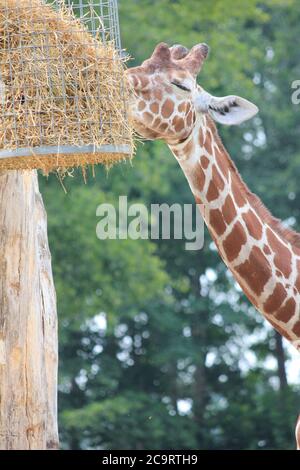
point(158, 347)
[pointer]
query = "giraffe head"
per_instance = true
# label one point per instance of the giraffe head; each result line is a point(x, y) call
point(161, 106)
point(166, 98)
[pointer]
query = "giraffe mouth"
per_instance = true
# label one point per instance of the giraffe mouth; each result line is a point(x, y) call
point(142, 131)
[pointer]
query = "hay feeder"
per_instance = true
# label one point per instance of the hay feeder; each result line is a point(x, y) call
point(62, 89)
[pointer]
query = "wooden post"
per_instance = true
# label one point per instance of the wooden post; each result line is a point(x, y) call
point(28, 322)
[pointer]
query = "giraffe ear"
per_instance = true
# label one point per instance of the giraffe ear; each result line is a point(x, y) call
point(229, 110)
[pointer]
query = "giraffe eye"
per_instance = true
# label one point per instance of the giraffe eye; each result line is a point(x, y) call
point(179, 85)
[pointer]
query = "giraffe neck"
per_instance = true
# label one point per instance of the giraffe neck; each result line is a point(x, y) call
point(262, 255)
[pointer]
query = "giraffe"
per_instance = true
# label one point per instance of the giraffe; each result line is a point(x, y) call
point(263, 256)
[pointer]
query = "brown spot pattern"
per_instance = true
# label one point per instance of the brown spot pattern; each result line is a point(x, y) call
point(179, 125)
point(233, 243)
point(217, 178)
point(188, 148)
point(135, 81)
point(163, 127)
point(253, 224)
point(286, 312)
point(190, 118)
point(296, 328)
point(229, 210)
point(147, 96)
point(197, 178)
point(201, 138)
point(222, 163)
point(297, 283)
point(144, 81)
point(256, 271)
point(217, 221)
point(296, 250)
point(154, 107)
point(157, 122)
point(283, 257)
point(237, 195)
point(276, 299)
point(204, 162)
point(212, 192)
point(158, 94)
point(208, 144)
point(249, 295)
point(141, 105)
point(175, 120)
point(167, 108)
point(188, 108)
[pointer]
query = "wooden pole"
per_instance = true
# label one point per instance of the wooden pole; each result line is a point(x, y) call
point(28, 321)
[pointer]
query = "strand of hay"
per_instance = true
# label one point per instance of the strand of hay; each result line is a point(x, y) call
point(59, 85)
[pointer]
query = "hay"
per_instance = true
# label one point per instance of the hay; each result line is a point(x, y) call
point(59, 86)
